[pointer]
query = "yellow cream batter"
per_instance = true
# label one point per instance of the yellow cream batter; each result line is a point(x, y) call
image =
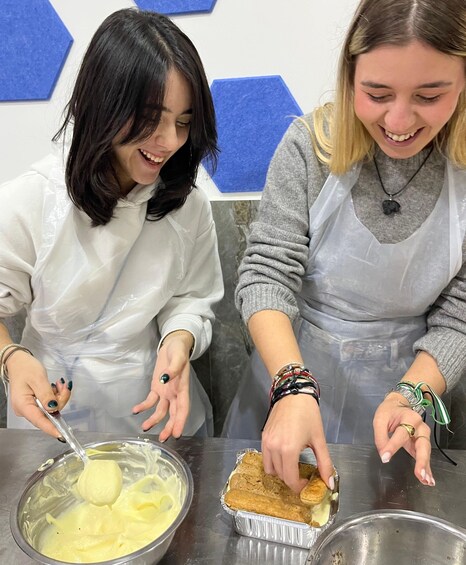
point(87, 533)
point(101, 481)
point(321, 512)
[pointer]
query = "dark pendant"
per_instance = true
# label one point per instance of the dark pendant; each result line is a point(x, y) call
point(390, 207)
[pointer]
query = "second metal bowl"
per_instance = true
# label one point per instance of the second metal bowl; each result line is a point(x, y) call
point(386, 537)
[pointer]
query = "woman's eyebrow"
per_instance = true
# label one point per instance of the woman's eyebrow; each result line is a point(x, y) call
point(437, 84)
point(188, 111)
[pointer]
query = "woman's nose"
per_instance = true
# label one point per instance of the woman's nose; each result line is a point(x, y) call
point(166, 136)
point(400, 118)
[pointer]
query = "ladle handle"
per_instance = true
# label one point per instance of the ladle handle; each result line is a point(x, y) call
point(65, 430)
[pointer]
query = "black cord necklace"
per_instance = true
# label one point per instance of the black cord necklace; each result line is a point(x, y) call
point(391, 206)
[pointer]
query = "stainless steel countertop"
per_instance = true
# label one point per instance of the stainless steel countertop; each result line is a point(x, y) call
point(207, 534)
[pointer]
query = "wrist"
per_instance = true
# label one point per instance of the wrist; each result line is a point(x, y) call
point(184, 336)
point(292, 379)
point(6, 354)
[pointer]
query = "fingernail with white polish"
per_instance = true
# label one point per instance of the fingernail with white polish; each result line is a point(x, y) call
point(331, 483)
point(432, 482)
point(386, 457)
point(423, 474)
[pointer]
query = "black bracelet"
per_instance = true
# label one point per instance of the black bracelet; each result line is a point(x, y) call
point(297, 388)
point(296, 383)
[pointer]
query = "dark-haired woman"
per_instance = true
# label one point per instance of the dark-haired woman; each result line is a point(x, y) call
point(110, 248)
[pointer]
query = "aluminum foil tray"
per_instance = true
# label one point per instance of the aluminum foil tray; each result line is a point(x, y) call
point(279, 530)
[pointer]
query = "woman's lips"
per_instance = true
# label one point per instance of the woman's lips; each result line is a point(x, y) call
point(397, 142)
point(150, 158)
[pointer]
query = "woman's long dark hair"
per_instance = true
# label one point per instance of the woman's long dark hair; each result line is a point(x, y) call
point(122, 81)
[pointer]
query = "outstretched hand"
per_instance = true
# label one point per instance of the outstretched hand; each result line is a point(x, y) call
point(393, 423)
point(169, 392)
point(294, 424)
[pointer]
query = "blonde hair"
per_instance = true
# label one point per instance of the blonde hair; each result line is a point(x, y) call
point(340, 139)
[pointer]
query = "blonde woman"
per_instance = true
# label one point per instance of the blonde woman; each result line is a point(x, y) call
point(354, 281)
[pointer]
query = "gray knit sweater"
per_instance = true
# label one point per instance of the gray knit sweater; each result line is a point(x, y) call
point(278, 248)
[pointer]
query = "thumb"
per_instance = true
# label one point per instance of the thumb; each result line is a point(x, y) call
point(174, 369)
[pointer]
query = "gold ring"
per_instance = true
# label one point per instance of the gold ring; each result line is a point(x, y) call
point(409, 428)
point(425, 437)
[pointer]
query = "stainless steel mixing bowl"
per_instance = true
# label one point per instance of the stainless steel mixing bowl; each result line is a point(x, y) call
point(50, 490)
point(390, 537)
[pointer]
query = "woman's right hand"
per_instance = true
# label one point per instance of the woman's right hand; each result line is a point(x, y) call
point(294, 424)
point(28, 380)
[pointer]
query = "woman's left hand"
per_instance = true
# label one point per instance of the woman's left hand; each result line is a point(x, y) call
point(397, 426)
point(171, 396)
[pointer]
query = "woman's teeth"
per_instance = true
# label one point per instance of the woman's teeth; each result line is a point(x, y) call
point(151, 157)
point(402, 137)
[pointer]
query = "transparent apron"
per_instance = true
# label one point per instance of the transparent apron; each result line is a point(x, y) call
point(92, 320)
point(363, 304)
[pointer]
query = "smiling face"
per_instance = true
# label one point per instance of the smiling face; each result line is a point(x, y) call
point(405, 95)
point(140, 162)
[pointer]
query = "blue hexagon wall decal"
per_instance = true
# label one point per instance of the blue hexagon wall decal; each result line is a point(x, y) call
point(34, 44)
point(252, 113)
point(174, 7)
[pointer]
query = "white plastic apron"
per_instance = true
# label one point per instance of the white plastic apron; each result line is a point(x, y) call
point(93, 322)
point(363, 304)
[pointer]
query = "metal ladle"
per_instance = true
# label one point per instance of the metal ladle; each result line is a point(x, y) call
point(67, 433)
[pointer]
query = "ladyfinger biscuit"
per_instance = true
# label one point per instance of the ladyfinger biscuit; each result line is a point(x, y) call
point(248, 469)
point(314, 492)
point(252, 502)
point(267, 485)
point(306, 470)
point(247, 482)
point(252, 458)
point(276, 487)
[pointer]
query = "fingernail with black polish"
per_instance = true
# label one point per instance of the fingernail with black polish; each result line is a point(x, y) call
point(62, 439)
point(62, 380)
point(52, 404)
point(70, 385)
point(164, 378)
point(53, 385)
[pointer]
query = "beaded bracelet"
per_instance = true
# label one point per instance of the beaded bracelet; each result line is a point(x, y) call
point(288, 368)
point(295, 384)
point(295, 388)
point(289, 371)
point(292, 379)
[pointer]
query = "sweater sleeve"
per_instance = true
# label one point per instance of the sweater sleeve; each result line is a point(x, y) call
point(445, 339)
point(278, 246)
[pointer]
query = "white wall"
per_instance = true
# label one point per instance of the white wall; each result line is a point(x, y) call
point(297, 39)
